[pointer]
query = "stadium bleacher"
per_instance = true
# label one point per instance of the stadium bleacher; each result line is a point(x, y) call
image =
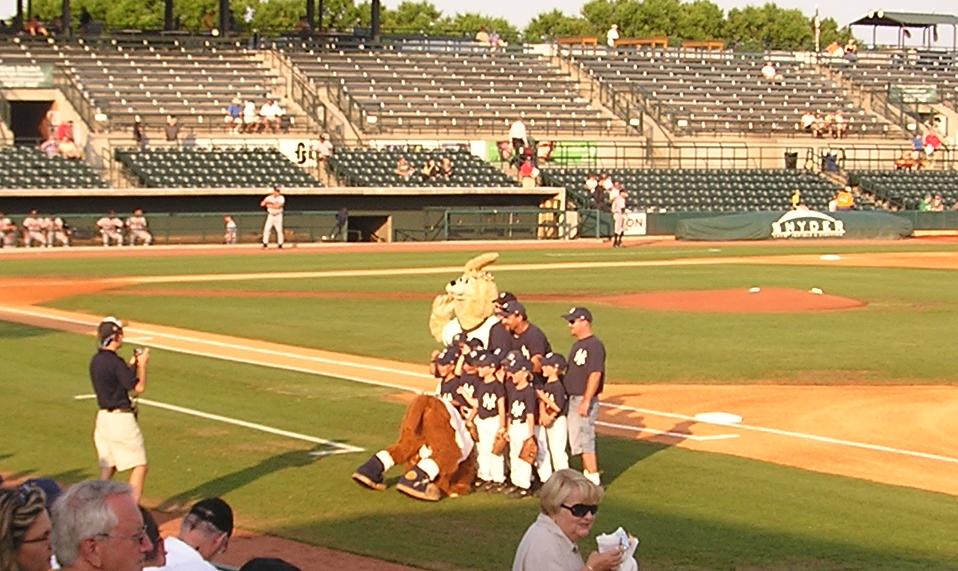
point(178, 167)
point(28, 167)
point(376, 167)
point(721, 92)
point(469, 88)
point(907, 187)
point(700, 190)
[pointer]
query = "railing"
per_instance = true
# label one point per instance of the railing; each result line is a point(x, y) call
point(506, 223)
point(4, 117)
point(301, 90)
point(67, 85)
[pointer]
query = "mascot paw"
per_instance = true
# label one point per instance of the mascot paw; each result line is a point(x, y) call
point(370, 474)
point(417, 484)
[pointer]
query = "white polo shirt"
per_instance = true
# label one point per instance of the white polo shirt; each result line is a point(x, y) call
point(545, 546)
point(182, 557)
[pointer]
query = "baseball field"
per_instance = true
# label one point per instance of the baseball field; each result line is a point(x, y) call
point(274, 374)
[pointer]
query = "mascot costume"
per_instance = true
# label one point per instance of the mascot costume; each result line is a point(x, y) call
point(433, 438)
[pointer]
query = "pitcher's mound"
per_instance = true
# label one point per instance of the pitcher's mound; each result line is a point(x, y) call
point(768, 300)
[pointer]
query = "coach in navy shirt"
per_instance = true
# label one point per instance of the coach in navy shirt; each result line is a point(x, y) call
point(584, 381)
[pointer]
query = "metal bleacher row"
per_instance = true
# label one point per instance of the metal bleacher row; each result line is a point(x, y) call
point(908, 188)
point(177, 167)
point(376, 167)
point(696, 190)
point(469, 88)
point(875, 72)
point(27, 167)
point(713, 92)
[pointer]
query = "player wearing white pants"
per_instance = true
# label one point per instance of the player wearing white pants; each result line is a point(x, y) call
point(111, 229)
point(33, 231)
point(492, 467)
point(553, 442)
point(138, 228)
point(57, 235)
point(274, 204)
point(618, 217)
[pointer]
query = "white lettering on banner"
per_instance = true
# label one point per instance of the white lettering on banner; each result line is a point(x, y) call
point(635, 223)
point(807, 224)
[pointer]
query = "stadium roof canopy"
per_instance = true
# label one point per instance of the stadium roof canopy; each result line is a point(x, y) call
point(928, 23)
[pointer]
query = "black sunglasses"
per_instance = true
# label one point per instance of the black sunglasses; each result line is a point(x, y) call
point(579, 510)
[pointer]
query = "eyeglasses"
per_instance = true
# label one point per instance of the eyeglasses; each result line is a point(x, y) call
point(139, 537)
point(579, 510)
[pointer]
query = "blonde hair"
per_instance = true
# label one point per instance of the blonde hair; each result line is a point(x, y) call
point(562, 485)
point(19, 508)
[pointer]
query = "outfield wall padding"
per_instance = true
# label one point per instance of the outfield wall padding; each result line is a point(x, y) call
point(795, 224)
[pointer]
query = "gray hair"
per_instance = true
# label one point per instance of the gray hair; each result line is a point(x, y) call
point(81, 513)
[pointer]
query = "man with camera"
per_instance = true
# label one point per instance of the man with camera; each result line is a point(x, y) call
point(117, 436)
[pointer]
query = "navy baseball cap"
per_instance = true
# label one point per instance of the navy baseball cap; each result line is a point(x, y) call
point(552, 359)
point(447, 356)
point(214, 511)
point(484, 359)
point(108, 328)
point(512, 308)
point(520, 363)
point(505, 297)
point(577, 313)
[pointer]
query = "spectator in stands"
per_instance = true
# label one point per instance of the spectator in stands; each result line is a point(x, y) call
point(50, 147)
point(591, 183)
point(517, 134)
point(204, 533)
point(70, 150)
point(270, 114)
point(835, 50)
point(403, 170)
point(807, 121)
point(907, 162)
point(446, 169)
point(139, 132)
point(839, 126)
point(25, 530)
point(925, 204)
point(172, 129)
point(819, 127)
point(52, 119)
point(249, 116)
point(156, 557)
point(429, 170)
point(612, 36)
point(844, 199)
point(97, 526)
point(769, 73)
point(937, 204)
point(851, 50)
point(917, 146)
point(324, 149)
point(35, 27)
point(953, 206)
point(496, 42)
point(64, 130)
point(8, 232)
point(932, 143)
point(482, 36)
point(796, 199)
point(234, 116)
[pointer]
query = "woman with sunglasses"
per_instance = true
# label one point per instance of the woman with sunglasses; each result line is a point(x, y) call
point(568, 504)
point(24, 530)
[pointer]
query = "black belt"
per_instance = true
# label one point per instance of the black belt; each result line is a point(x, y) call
point(119, 409)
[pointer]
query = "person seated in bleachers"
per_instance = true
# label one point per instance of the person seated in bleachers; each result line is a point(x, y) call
point(612, 36)
point(769, 73)
point(35, 27)
point(445, 168)
point(828, 122)
point(844, 199)
point(234, 116)
point(819, 127)
point(591, 183)
point(839, 126)
point(835, 50)
point(70, 150)
point(528, 174)
point(250, 119)
point(932, 143)
point(907, 162)
point(270, 114)
point(807, 121)
point(64, 130)
point(403, 170)
point(50, 147)
point(925, 204)
point(851, 50)
point(482, 36)
point(429, 170)
point(917, 146)
point(172, 129)
point(796, 199)
point(937, 204)
point(139, 132)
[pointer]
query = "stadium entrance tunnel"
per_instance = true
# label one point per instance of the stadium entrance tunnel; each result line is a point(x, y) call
point(370, 228)
point(28, 121)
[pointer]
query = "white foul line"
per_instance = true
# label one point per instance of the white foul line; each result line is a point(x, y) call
point(800, 435)
point(341, 448)
point(668, 433)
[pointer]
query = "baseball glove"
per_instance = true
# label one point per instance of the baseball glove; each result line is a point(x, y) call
point(499, 446)
point(529, 451)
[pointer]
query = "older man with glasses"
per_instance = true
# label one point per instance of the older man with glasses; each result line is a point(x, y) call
point(97, 526)
point(204, 533)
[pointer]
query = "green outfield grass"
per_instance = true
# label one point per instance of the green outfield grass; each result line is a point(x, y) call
point(693, 510)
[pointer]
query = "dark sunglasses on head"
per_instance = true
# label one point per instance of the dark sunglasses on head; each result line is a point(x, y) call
point(579, 510)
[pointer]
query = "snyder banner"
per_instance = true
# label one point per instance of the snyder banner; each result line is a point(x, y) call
point(635, 224)
point(795, 225)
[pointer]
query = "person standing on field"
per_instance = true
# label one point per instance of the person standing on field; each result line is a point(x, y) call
point(117, 436)
point(584, 380)
point(274, 204)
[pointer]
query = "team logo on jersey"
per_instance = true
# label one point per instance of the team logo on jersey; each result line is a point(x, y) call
point(489, 401)
point(467, 390)
point(525, 352)
point(580, 357)
point(518, 409)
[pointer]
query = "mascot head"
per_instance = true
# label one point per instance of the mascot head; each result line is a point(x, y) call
point(474, 291)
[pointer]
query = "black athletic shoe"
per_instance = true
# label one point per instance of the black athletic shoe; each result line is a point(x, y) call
point(417, 484)
point(280, 246)
point(264, 246)
point(520, 493)
point(370, 474)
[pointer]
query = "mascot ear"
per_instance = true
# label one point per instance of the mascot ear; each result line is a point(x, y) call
point(481, 261)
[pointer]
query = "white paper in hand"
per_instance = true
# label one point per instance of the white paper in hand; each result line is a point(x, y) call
point(620, 538)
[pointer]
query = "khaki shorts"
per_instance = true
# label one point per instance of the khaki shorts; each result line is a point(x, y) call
point(118, 440)
point(582, 428)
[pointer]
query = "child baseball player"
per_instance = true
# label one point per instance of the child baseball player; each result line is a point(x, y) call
point(553, 407)
point(488, 403)
point(522, 408)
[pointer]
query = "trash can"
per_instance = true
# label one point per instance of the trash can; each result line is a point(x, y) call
point(791, 160)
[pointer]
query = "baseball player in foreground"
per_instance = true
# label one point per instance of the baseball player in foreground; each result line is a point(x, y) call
point(274, 204)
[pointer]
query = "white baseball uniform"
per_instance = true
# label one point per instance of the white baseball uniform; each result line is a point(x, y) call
point(8, 233)
point(57, 234)
point(33, 231)
point(230, 237)
point(109, 231)
point(274, 205)
point(618, 213)
point(139, 230)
